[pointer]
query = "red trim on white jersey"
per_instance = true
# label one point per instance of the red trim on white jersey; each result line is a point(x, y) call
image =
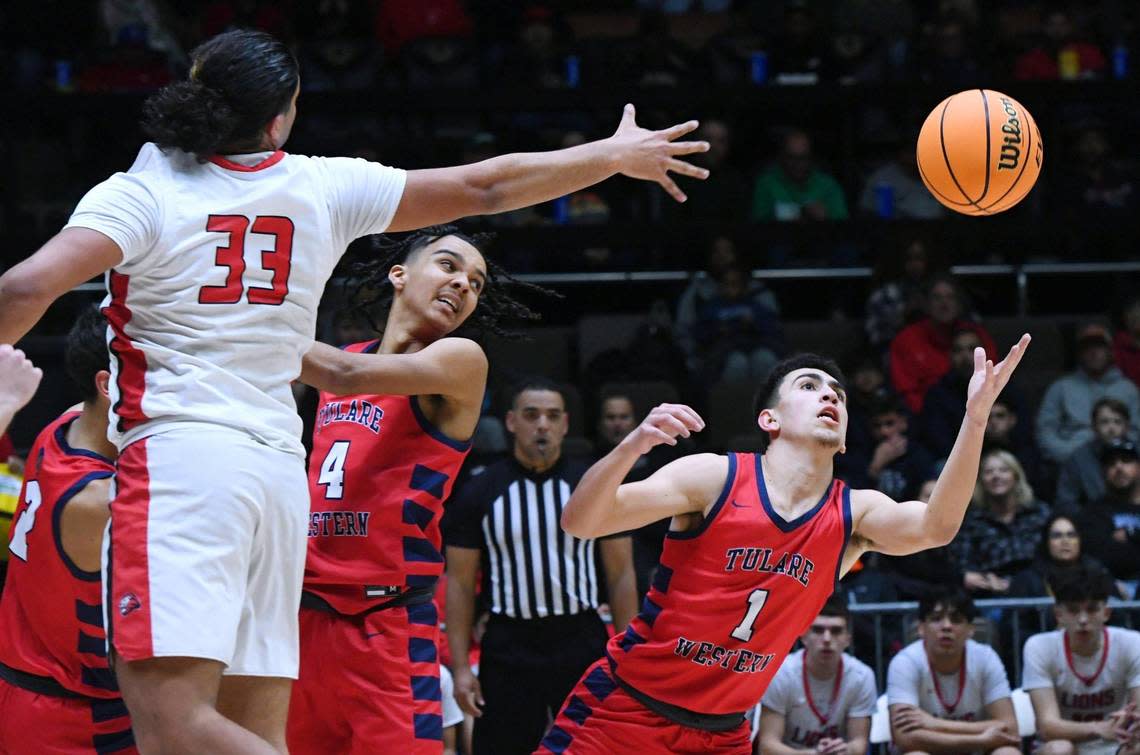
point(131, 379)
point(268, 162)
point(128, 578)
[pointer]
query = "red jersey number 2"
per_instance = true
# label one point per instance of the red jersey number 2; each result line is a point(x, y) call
point(231, 256)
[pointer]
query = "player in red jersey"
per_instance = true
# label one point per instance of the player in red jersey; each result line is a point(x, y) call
point(387, 446)
point(57, 693)
point(756, 545)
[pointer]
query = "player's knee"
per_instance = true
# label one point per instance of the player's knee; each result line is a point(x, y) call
point(1058, 747)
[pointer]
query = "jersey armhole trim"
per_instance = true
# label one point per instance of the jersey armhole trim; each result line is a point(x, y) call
point(729, 484)
point(435, 432)
point(845, 506)
point(61, 439)
point(57, 520)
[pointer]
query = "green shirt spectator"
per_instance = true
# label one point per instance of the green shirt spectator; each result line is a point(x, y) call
point(794, 189)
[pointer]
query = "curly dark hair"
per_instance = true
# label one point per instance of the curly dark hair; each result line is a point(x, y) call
point(369, 292)
point(86, 353)
point(239, 81)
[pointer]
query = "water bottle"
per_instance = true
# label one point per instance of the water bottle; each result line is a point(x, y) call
point(562, 210)
point(1069, 64)
point(1120, 61)
point(885, 201)
point(573, 72)
point(63, 76)
point(758, 67)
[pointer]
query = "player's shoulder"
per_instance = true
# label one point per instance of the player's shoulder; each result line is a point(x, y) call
point(1127, 639)
point(912, 655)
point(860, 671)
point(1043, 640)
point(982, 651)
point(461, 351)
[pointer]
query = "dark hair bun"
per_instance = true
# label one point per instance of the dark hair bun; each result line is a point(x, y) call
point(189, 116)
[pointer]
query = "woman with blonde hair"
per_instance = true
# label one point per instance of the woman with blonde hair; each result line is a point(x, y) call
point(1003, 527)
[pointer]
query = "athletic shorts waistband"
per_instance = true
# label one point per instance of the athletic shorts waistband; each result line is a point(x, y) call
point(679, 715)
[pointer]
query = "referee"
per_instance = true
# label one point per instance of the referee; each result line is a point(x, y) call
point(542, 586)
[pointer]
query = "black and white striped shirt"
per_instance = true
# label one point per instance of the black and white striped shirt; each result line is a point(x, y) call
point(531, 568)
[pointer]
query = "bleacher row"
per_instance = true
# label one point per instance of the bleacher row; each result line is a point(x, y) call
point(562, 354)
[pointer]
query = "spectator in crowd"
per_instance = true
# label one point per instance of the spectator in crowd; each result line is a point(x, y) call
point(898, 464)
point(1099, 179)
point(738, 336)
point(1005, 430)
point(1059, 557)
point(795, 189)
point(800, 53)
point(537, 59)
point(857, 57)
point(1081, 479)
point(1064, 420)
point(225, 15)
point(587, 206)
point(721, 256)
point(821, 699)
point(867, 390)
point(1126, 343)
point(935, 705)
point(1084, 678)
point(891, 22)
point(917, 574)
point(899, 294)
point(895, 191)
point(543, 586)
point(617, 418)
point(1062, 52)
point(945, 403)
point(399, 22)
point(920, 353)
point(338, 52)
point(949, 60)
point(1111, 526)
point(724, 194)
point(659, 59)
point(1002, 530)
point(728, 54)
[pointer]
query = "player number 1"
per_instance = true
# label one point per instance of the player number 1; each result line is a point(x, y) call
point(332, 470)
point(756, 602)
point(27, 520)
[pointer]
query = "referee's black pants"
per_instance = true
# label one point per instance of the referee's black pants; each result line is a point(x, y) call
point(527, 668)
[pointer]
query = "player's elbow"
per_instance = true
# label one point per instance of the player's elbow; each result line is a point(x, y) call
point(20, 288)
point(573, 523)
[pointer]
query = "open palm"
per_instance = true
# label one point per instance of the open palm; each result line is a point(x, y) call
point(989, 379)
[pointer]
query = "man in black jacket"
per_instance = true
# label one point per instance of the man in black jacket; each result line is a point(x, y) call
point(1110, 527)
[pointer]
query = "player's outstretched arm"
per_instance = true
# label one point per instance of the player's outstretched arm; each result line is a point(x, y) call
point(508, 182)
point(452, 367)
point(902, 528)
point(71, 257)
point(19, 379)
point(601, 505)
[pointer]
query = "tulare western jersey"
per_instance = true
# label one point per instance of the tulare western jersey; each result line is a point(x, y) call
point(730, 597)
point(51, 619)
point(378, 476)
point(224, 262)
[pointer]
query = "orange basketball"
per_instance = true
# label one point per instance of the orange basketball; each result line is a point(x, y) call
point(979, 152)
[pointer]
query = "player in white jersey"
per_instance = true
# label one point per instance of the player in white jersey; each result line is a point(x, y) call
point(1083, 677)
point(947, 693)
point(821, 700)
point(217, 247)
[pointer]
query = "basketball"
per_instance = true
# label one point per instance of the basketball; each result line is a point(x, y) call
point(979, 152)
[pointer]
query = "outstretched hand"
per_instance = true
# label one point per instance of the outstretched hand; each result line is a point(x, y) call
point(663, 425)
point(19, 379)
point(651, 155)
point(989, 379)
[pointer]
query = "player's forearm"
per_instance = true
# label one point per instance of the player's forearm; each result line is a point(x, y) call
point(955, 484)
point(526, 178)
point(776, 746)
point(460, 620)
point(857, 746)
point(948, 726)
point(939, 742)
point(591, 510)
point(22, 304)
point(1073, 731)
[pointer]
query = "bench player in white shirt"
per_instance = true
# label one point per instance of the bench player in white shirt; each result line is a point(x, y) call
point(947, 693)
point(821, 700)
point(217, 247)
point(1084, 678)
